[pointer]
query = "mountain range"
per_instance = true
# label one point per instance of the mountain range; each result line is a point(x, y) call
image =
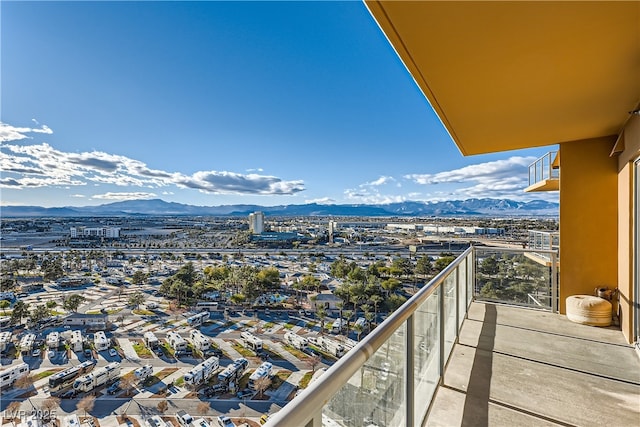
point(157, 207)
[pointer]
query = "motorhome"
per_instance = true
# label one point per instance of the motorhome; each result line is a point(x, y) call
point(151, 340)
point(9, 375)
point(26, 343)
point(251, 341)
point(198, 319)
point(296, 340)
point(5, 340)
point(338, 325)
point(143, 372)
point(76, 341)
point(176, 341)
point(100, 341)
point(98, 377)
point(62, 377)
point(200, 341)
point(264, 371)
point(330, 346)
point(233, 371)
point(53, 340)
point(202, 372)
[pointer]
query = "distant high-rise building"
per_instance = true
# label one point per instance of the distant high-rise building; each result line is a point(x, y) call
point(256, 222)
point(333, 227)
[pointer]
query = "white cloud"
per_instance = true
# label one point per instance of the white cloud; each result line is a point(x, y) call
point(494, 171)
point(79, 196)
point(13, 133)
point(364, 196)
point(124, 196)
point(41, 165)
point(322, 201)
point(380, 181)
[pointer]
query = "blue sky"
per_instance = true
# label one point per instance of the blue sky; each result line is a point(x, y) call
point(214, 103)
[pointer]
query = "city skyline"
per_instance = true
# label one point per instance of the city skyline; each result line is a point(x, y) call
point(215, 103)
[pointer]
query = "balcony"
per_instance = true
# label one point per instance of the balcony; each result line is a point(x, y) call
point(544, 173)
point(452, 356)
point(543, 241)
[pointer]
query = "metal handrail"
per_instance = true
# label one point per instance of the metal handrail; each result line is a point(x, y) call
point(319, 393)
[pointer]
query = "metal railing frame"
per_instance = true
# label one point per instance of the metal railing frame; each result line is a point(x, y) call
point(306, 409)
point(542, 168)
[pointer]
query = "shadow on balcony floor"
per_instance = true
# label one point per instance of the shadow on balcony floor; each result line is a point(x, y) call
point(520, 367)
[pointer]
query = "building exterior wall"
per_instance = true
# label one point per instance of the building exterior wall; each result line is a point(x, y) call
point(588, 217)
point(627, 217)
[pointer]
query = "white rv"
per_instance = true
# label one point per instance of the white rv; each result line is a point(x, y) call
point(176, 342)
point(26, 343)
point(76, 341)
point(53, 340)
point(9, 375)
point(234, 371)
point(296, 340)
point(5, 340)
point(264, 371)
point(98, 377)
point(198, 319)
point(151, 340)
point(100, 341)
point(330, 346)
point(251, 341)
point(200, 341)
point(202, 372)
point(143, 372)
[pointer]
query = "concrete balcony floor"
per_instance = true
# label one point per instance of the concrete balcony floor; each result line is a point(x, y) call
point(521, 367)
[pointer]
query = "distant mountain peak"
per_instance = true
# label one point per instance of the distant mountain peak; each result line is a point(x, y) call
point(159, 207)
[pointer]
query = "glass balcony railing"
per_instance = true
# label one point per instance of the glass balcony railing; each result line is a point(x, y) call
point(390, 377)
point(546, 167)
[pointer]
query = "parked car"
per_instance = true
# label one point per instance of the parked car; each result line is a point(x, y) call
point(69, 394)
point(183, 418)
point(36, 352)
point(114, 388)
point(246, 393)
point(113, 352)
point(88, 352)
point(224, 421)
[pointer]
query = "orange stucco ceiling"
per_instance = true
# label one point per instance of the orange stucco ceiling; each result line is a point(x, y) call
point(507, 75)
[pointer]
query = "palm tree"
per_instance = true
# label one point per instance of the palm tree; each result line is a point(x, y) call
point(358, 328)
point(322, 315)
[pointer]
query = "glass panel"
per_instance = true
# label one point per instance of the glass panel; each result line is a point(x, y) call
point(470, 281)
point(375, 394)
point(515, 277)
point(426, 354)
point(462, 286)
point(450, 327)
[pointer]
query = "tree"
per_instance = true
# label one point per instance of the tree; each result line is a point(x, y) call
point(203, 408)
point(20, 310)
point(443, 262)
point(138, 278)
point(313, 361)
point(136, 299)
point(358, 328)
point(423, 266)
point(50, 404)
point(322, 315)
point(163, 405)
point(24, 382)
point(87, 403)
point(13, 410)
point(51, 305)
point(40, 312)
point(126, 383)
point(4, 304)
point(262, 384)
point(72, 302)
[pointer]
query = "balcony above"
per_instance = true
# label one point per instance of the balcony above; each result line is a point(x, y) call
point(544, 173)
point(514, 366)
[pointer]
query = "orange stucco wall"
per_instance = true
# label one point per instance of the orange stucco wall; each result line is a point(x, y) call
point(588, 217)
point(626, 222)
